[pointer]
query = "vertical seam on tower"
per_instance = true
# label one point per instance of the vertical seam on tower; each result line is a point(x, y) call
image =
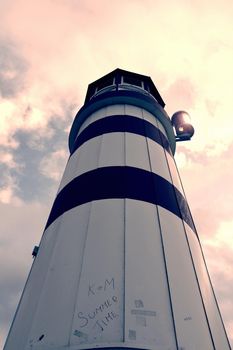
point(62, 177)
point(124, 248)
point(199, 288)
point(76, 167)
point(45, 277)
point(162, 244)
point(186, 198)
point(22, 295)
point(79, 278)
point(228, 342)
point(84, 248)
point(212, 289)
point(189, 249)
point(20, 301)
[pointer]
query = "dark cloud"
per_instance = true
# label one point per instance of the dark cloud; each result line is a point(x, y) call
point(24, 171)
point(13, 68)
point(33, 148)
point(32, 185)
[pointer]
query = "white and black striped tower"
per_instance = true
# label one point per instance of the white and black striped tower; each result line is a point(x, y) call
point(120, 264)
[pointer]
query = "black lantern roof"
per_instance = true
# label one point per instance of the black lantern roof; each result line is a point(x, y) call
point(121, 79)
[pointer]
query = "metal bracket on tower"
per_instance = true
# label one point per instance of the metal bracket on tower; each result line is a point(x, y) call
point(35, 251)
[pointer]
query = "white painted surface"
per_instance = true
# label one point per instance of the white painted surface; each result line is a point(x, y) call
point(158, 161)
point(28, 305)
point(174, 173)
point(84, 159)
point(216, 325)
point(99, 308)
point(53, 316)
point(112, 150)
point(136, 151)
point(147, 307)
point(101, 113)
point(133, 111)
point(118, 109)
point(191, 325)
point(103, 150)
point(108, 150)
point(151, 119)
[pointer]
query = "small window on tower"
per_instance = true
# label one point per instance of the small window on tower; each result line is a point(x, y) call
point(103, 84)
point(132, 81)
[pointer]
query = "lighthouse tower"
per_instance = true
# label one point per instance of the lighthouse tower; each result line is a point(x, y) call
point(120, 263)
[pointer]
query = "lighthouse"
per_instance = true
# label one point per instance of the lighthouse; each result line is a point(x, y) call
point(120, 265)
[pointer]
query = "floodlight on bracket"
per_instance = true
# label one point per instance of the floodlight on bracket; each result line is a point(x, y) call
point(181, 122)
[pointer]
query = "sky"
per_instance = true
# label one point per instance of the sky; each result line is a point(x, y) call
point(50, 50)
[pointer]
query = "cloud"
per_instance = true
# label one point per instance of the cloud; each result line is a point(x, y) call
point(185, 92)
point(52, 166)
point(207, 182)
point(7, 159)
point(8, 187)
point(42, 160)
point(7, 195)
point(21, 176)
point(13, 68)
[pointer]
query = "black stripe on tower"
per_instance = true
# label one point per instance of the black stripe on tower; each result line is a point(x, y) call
point(122, 123)
point(120, 182)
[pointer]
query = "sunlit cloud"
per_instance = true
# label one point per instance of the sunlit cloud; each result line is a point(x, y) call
point(7, 159)
point(52, 166)
point(8, 187)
